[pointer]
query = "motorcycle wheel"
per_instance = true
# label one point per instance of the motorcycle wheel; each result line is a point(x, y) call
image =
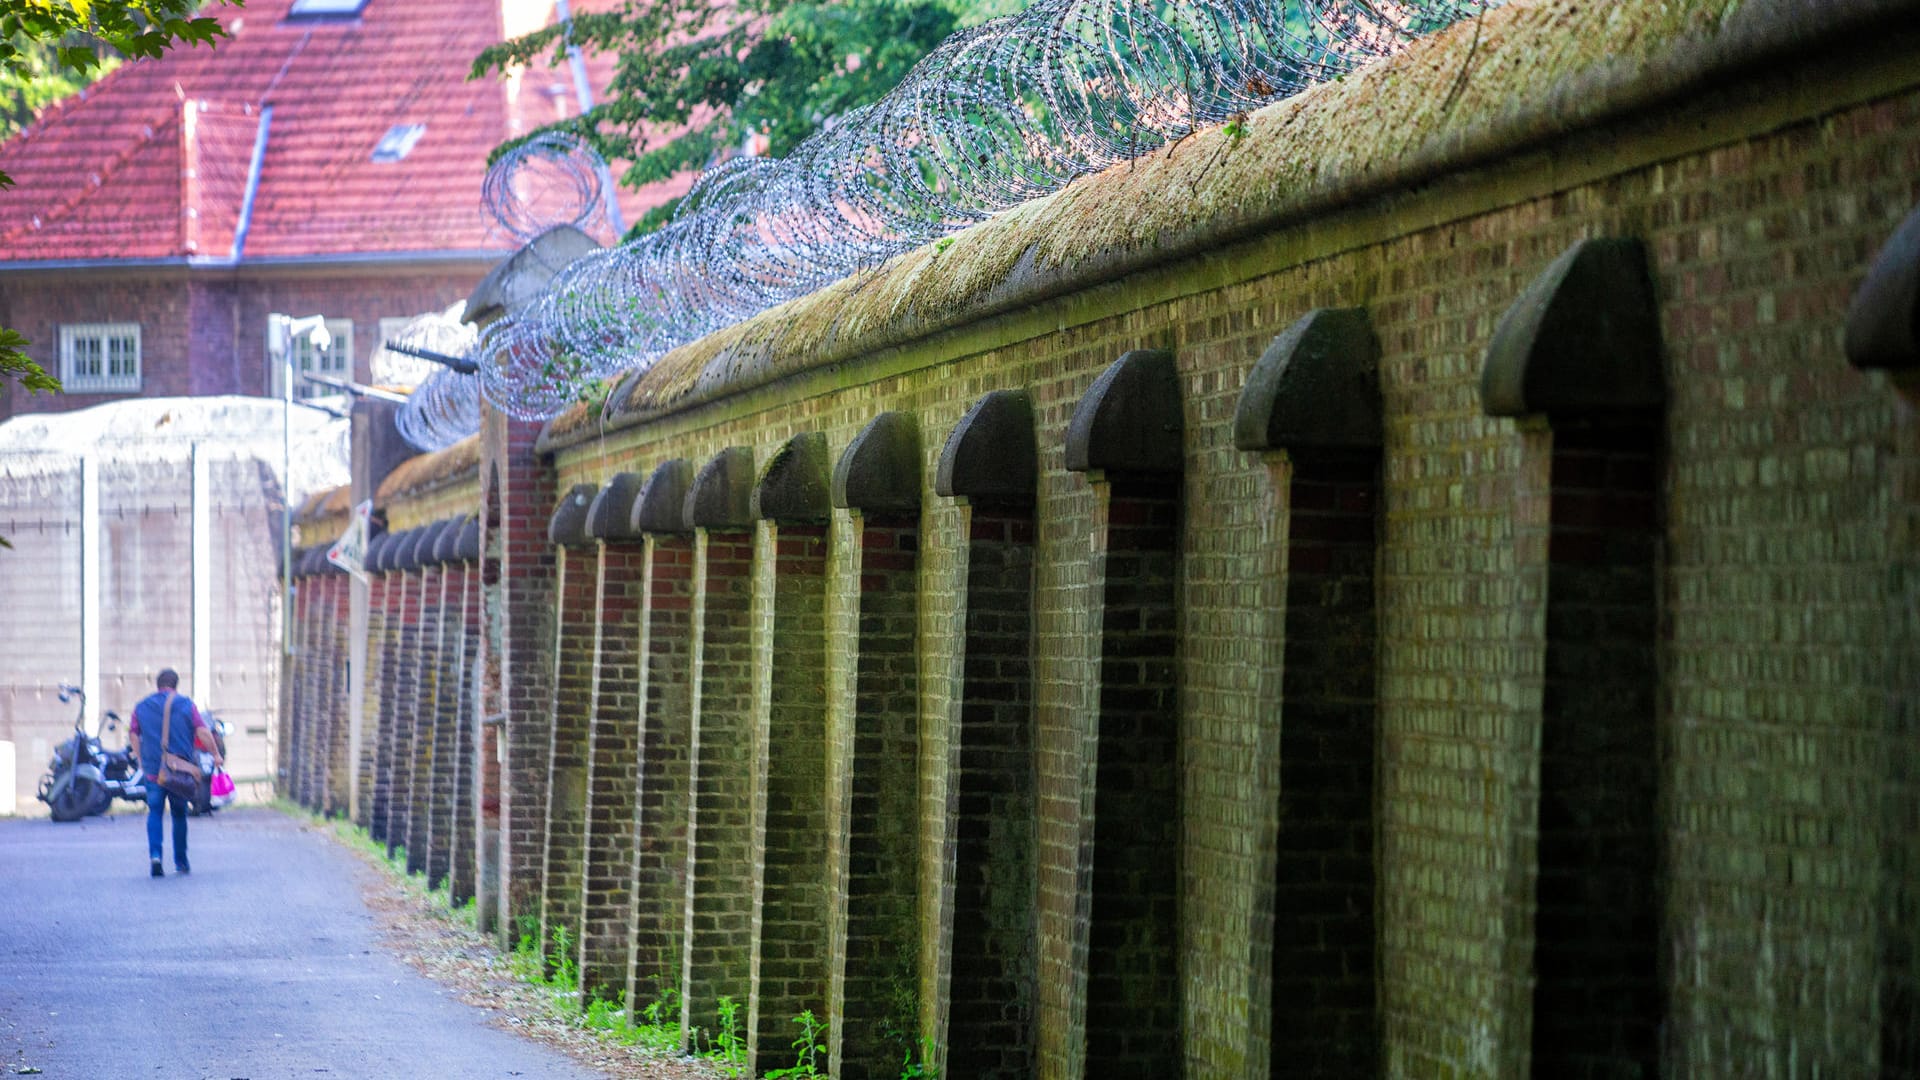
point(76, 801)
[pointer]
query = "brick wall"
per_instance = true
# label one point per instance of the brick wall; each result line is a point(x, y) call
point(1780, 573)
point(1597, 1000)
point(613, 772)
point(517, 569)
point(1324, 987)
point(375, 778)
point(1133, 986)
point(339, 769)
point(791, 658)
point(205, 332)
point(576, 601)
point(990, 1025)
point(462, 837)
point(665, 766)
point(296, 762)
point(878, 1015)
point(1899, 988)
point(443, 776)
point(719, 837)
point(400, 706)
point(420, 763)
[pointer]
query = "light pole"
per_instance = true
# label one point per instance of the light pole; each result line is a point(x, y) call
point(282, 331)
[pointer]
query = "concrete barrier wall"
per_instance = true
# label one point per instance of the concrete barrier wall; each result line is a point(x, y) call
point(1462, 630)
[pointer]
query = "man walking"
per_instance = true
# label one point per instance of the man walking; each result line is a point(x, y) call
point(167, 713)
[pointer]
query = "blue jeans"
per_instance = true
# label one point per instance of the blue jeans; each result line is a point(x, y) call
point(156, 797)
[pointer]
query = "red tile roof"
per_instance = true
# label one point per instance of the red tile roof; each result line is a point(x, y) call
point(151, 162)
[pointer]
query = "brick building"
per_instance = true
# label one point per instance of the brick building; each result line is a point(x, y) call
point(325, 159)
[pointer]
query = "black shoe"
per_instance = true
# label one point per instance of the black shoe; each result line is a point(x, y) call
point(181, 867)
point(156, 870)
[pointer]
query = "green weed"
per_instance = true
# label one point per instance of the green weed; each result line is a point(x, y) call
point(918, 1066)
point(807, 1049)
point(727, 1045)
point(661, 1031)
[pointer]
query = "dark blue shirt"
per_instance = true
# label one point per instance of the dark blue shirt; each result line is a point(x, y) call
point(147, 723)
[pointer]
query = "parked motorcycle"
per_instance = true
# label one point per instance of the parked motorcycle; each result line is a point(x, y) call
point(204, 801)
point(83, 777)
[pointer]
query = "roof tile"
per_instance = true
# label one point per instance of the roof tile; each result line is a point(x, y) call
point(152, 160)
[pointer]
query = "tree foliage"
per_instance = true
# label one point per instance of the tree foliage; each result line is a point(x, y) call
point(49, 48)
point(36, 80)
point(771, 70)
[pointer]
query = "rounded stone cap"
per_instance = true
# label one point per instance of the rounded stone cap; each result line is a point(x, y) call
point(610, 515)
point(881, 468)
point(991, 456)
point(446, 547)
point(1130, 419)
point(568, 526)
point(377, 552)
point(468, 547)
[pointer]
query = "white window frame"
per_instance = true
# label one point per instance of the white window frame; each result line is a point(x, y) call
point(339, 361)
point(85, 370)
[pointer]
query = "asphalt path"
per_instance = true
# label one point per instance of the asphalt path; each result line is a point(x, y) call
point(264, 962)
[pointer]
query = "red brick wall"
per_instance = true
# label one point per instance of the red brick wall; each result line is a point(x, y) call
point(1324, 990)
point(519, 496)
point(879, 1014)
point(1133, 986)
point(576, 606)
point(463, 839)
point(613, 772)
point(665, 768)
point(1783, 585)
point(36, 306)
point(205, 332)
point(719, 858)
point(1597, 1004)
point(400, 706)
point(792, 970)
point(990, 1027)
point(376, 778)
point(436, 788)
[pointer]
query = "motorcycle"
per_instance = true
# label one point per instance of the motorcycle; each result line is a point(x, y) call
point(83, 778)
point(204, 801)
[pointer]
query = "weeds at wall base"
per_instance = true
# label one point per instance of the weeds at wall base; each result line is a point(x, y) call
point(657, 1027)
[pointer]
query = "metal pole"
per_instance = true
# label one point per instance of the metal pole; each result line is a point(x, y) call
point(286, 505)
point(584, 93)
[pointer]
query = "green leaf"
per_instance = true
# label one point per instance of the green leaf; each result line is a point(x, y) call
point(16, 364)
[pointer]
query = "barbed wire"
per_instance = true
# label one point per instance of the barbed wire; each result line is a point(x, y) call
point(551, 179)
point(996, 115)
point(444, 407)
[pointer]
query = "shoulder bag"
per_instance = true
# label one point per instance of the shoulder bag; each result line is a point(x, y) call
point(177, 774)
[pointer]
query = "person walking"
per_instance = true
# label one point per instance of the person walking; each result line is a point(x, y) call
point(169, 714)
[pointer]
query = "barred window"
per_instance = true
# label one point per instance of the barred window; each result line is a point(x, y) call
point(100, 358)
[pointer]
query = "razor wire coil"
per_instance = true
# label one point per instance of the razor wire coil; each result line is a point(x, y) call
point(996, 115)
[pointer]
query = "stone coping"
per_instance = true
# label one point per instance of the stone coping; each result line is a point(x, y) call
point(1524, 75)
point(426, 472)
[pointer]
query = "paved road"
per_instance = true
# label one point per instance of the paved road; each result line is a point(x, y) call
point(269, 932)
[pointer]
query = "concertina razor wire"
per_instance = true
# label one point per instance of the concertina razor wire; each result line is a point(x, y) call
point(996, 115)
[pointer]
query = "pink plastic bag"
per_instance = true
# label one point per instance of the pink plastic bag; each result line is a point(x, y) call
point(221, 785)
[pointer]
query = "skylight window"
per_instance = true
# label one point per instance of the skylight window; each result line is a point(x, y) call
point(325, 9)
point(398, 141)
